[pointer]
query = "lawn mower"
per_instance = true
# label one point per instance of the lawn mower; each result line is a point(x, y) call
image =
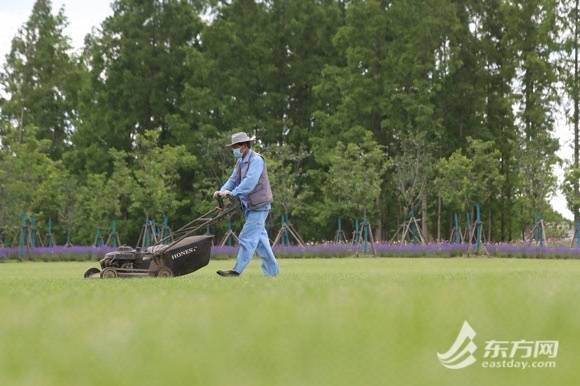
point(178, 255)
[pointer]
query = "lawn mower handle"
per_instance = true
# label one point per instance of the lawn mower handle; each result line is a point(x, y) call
point(214, 215)
point(220, 201)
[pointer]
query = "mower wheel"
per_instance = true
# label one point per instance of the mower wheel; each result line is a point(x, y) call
point(164, 272)
point(109, 273)
point(91, 272)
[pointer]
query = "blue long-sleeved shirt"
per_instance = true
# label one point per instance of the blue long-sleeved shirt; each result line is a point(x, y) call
point(250, 180)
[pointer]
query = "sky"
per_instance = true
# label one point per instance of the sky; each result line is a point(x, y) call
point(83, 15)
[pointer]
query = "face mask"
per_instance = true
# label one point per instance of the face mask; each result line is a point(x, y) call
point(237, 153)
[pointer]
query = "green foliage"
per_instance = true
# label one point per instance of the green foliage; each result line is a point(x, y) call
point(156, 172)
point(26, 177)
point(537, 159)
point(453, 181)
point(571, 178)
point(143, 185)
point(486, 177)
point(98, 202)
point(285, 170)
point(39, 78)
point(464, 180)
point(354, 178)
point(412, 169)
point(358, 106)
point(569, 23)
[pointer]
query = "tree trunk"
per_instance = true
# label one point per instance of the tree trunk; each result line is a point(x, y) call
point(489, 222)
point(576, 96)
point(379, 227)
point(424, 217)
point(439, 219)
point(399, 222)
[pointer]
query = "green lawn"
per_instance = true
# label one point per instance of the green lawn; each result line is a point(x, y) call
point(322, 322)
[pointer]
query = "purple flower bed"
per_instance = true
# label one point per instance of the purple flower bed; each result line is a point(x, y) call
point(56, 253)
point(328, 250)
point(444, 249)
point(382, 250)
point(532, 251)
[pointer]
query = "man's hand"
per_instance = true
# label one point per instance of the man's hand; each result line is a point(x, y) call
point(221, 193)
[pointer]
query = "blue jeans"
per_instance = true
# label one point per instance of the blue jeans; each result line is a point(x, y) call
point(254, 238)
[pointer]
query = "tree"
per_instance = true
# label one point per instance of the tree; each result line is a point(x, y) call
point(98, 203)
point(465, 180)
point(334, 90)
point(236, 44)
point(571, 177)
point(26, 173)
point(486, 177)
point(412, 168)
point(453, 181)
point(354, 179)
point(39, 79)
point(570, 25)
point(155, 171)
point(285, 170)
point(533, 26)
point(142, 185)
point(499, 56)
point(139, 63)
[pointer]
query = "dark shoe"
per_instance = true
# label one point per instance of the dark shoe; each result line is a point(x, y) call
point(228, 273)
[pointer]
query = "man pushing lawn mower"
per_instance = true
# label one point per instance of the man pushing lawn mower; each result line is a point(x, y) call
point(249, 182)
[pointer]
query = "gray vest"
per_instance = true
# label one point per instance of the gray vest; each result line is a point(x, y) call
point(262, 193)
